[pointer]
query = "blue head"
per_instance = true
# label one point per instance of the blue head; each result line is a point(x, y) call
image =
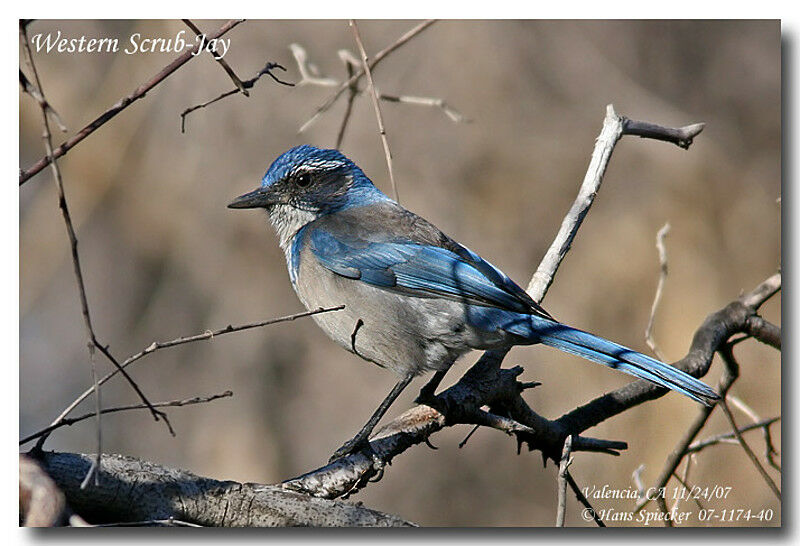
point(305, 183)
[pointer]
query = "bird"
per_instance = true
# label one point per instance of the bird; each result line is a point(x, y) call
point(415, 300)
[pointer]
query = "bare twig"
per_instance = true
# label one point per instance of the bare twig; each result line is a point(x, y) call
point(189, 339)
point(307, 72)
point(69, 421)
point(123, 103)
point(378, 58)
point(730, 437)
point(769, 448)
point(681, 136)
point(749, 452)
point(679, 452)
point(683, 480)
point(583, 500)
point(662, 278)
point(217, 57)
point(30, 89)
point(309, 76)
point(614, 127)
point(378, 116)
point(728, 320)
point(449, 111)
point(351, 64)
point(563, 466)
point(717, 328)
point(247, 84)
point(604, 145)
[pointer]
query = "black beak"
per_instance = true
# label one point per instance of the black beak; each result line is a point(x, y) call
point(255, 199)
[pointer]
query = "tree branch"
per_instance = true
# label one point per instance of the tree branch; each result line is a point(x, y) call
point(132, 490)
point(69, 421)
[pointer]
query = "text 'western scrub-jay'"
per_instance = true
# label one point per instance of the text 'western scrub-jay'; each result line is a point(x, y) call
point(415, 300)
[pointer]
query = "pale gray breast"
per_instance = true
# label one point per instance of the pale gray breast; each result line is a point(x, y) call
point(399, 332)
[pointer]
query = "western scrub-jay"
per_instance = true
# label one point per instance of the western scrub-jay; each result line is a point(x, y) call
point(415, 300)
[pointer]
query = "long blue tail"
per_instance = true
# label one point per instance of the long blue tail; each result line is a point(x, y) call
point(597, 349)
point(538, 329)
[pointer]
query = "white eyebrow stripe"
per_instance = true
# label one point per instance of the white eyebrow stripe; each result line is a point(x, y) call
point(319, 164)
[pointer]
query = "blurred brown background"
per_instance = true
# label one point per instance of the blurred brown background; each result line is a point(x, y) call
point(163, 257)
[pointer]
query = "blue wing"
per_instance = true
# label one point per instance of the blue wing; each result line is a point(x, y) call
point(421, 270)
point(428, 270)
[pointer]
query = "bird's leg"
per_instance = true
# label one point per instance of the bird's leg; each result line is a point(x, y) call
point(361, 440)
point(428, 392)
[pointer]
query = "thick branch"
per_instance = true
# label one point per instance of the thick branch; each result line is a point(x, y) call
point(134, 490)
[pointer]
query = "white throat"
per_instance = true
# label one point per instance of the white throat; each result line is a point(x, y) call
point(287, 221)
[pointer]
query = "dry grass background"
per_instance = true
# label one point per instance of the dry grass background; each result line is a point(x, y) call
point(163, 257)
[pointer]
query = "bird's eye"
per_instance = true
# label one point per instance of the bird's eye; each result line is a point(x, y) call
point(303, 180)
